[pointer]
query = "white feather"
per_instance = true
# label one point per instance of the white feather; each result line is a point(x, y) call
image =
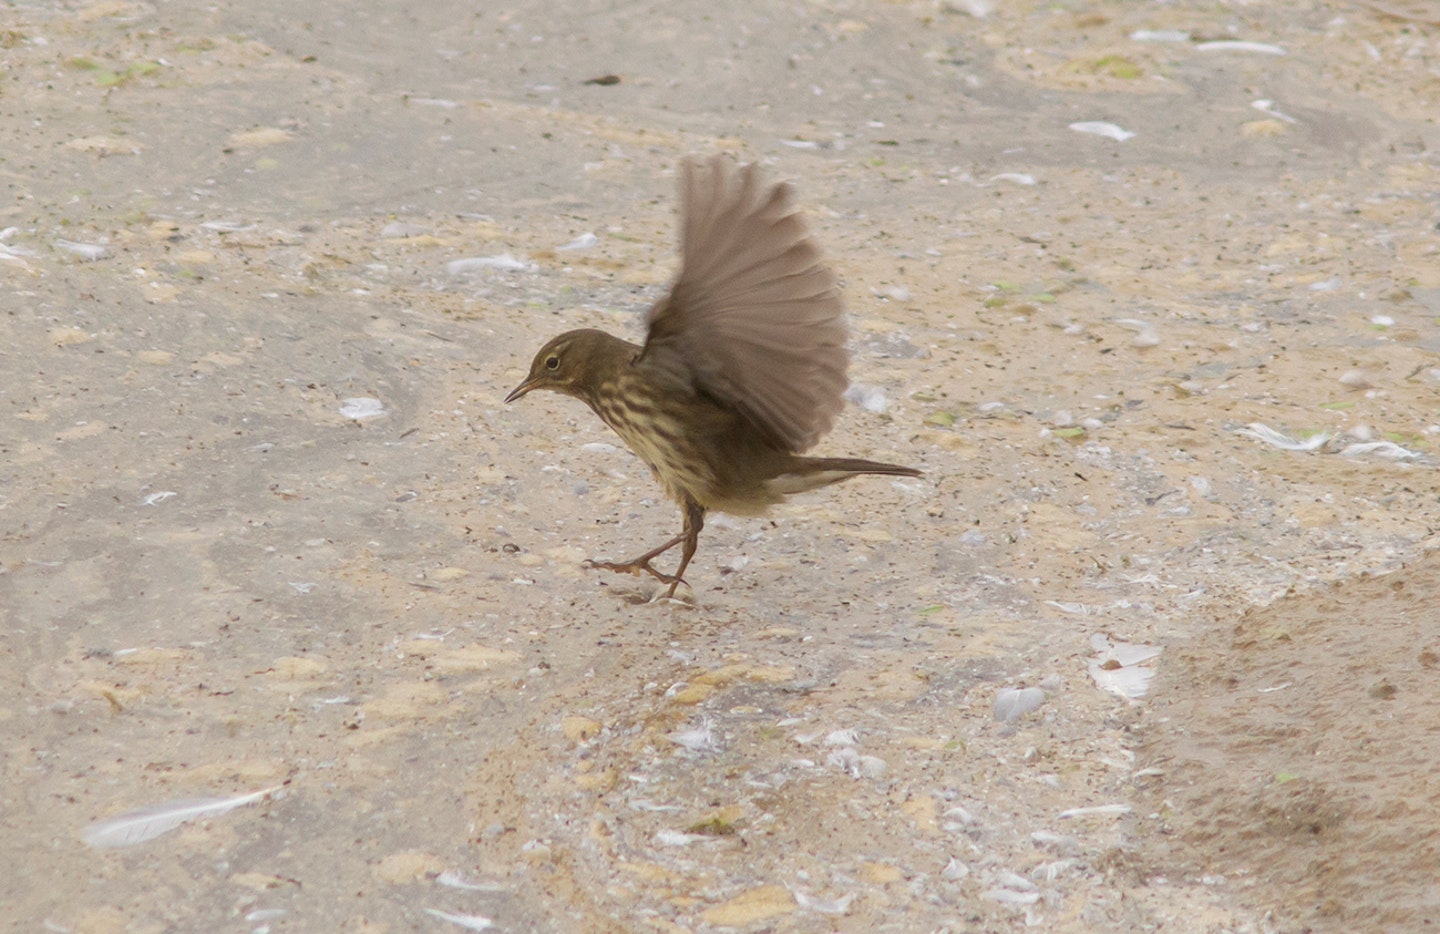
point(468, 922)
point(147, 823)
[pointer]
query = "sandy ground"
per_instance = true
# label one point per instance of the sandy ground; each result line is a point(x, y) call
point(223, 225)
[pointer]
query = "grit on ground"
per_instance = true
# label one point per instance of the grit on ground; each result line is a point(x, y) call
point(265, 520)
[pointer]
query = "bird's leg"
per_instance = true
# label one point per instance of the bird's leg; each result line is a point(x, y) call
point(694, 522)
point(689, 535)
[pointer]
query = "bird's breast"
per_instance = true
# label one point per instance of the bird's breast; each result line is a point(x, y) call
point(667, 433)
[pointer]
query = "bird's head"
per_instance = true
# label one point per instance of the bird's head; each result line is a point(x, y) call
point(566, 364)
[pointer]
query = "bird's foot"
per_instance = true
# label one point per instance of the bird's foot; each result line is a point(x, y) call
point(635, 567)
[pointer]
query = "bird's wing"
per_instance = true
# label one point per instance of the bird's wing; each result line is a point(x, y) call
point(755, 318)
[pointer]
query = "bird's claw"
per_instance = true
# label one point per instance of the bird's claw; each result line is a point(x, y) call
point(633, 567)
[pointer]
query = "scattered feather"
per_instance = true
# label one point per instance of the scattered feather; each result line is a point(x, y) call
point(1145, 333)
point(503, 262)
point(361, 407)
point(825, 906)
point(842, 738)
point(736, 564)
point(976, 8)
point(583, 242)
point(1053, 840)
point(155, 499)
point(1126, 653)
point(1131, 683)
point(679, 838)
point(954, 870)
point(1236, 45)
point(86, 251)
point(856, 765)
point(15, 255)
point(1013, 703)
point(1099, 810)
point(1049, 872)
point(1266, 106)
point(1264, 433)
point(962, 816)
point(697, 739)
point(455, 881)
point(1118, 666)
point(147, 823)
point(398, 230)
point(1383, 448)
point(869, 398)
point(468, 922)
point(1075, 609)
point(1101, 128)
point(1160, 35)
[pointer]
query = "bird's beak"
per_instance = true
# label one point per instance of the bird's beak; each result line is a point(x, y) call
point(523, 388)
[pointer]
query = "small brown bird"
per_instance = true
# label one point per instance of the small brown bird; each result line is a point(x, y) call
point(743, 366)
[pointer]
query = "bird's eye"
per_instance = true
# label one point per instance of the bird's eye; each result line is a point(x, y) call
point(552, 362)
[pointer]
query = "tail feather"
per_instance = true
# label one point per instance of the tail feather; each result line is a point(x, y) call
point(811, 473)
point(854, 465)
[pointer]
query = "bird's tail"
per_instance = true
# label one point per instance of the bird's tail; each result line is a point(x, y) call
point(810, 473)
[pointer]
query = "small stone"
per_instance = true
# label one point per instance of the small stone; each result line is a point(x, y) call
point(408, 866)
point(257, 138)
point(580, 729)
point(472, 658)
point(68, 337)
point(768, 901)
point(599, 782)
point(880, 873)
point(693, 693)
point(1261, 128)
point(1355, 379)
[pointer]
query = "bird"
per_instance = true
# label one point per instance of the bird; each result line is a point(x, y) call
point(743, 368)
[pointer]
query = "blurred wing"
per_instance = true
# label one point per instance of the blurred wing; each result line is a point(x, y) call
point(755, 318)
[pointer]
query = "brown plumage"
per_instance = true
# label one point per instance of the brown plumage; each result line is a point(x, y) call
point(743, 367)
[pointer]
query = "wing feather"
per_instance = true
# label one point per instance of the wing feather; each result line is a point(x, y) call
point(754, 318)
